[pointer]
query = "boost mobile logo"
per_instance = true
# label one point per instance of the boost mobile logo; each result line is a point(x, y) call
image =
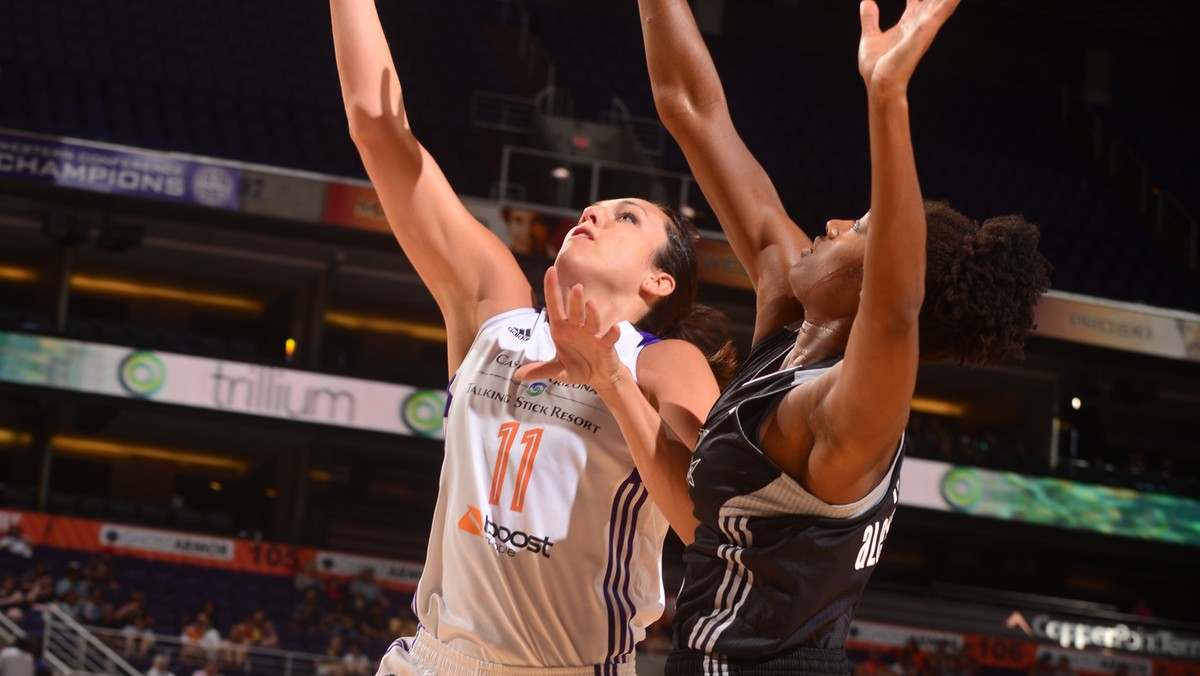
point(506, 541)
point(142, 374)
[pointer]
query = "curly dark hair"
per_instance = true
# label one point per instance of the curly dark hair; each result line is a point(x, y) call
point(678, 315)
point(981, 285)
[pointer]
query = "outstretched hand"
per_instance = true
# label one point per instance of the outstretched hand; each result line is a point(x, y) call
point(583, 350)
point(888, 58)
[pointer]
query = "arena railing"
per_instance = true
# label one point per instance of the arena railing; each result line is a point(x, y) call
point(71, 649)
point(9, 630)
point(567, 182)
point(243, 659)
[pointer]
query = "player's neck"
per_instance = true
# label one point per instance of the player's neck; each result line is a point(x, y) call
point(818, 339)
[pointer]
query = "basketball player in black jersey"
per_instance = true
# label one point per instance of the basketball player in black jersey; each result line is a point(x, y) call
point(788, 499)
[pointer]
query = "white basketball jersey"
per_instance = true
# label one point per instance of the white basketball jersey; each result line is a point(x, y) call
point(545, 548)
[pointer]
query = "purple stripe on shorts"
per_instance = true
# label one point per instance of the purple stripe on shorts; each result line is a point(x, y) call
point(627, 505)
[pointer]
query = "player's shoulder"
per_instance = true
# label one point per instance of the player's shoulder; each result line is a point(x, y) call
point(672, 361)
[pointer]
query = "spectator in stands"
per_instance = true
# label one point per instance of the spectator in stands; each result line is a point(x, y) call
point(334, 591)
point(132, 609)
point(71, 606)
point(15, 543)
point(235, 646)
point(200, 640)
point(373, 621)
point(365, 586)
point(34, 589)
point(209, 608)
point(160, 666)
point(136, 625)
point(261, 630)
point(308, 577)
point(72, 580)
point(404, 622)
point(37, 574)
point(330, 662)
point(139, 635)
point(308, 616)
point(12, 598)
point(102, 570)
point(355, 663)
point(341, 623)
point(92, 608)
point(18, 659)
point(255, 631)
point(108, 617)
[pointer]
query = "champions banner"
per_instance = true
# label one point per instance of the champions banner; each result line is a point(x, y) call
point(118, 170)
point(219, 385)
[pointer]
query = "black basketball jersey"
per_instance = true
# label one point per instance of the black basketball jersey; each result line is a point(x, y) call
point(773, 569)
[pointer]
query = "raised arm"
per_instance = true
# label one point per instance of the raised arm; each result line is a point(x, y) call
point(469, 271)
point(659, 413)
point(863, 414)
point(691, 104)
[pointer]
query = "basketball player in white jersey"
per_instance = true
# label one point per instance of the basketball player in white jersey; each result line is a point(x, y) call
point(544, 557)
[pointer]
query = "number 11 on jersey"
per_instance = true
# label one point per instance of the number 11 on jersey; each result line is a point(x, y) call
point(531, 439)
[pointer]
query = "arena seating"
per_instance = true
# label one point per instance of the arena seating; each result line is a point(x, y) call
point(174, 592)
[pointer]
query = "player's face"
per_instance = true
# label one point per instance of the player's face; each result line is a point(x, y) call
point(824, 272)
point(615, 240)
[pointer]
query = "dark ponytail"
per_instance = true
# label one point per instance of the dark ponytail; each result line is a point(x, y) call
point(678, 316)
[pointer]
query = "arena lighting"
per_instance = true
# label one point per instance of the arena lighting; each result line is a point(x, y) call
point(1076, 403)
point(15, 438)
point(118, 287)
point(289, 348)
point(560, 172)
point(413, 329)
point(938, 407)
point(107, 449)
point(13, 274)
point(687, 211)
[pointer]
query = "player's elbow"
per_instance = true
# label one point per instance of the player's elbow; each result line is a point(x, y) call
point(370, 125)
point(680, 107)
